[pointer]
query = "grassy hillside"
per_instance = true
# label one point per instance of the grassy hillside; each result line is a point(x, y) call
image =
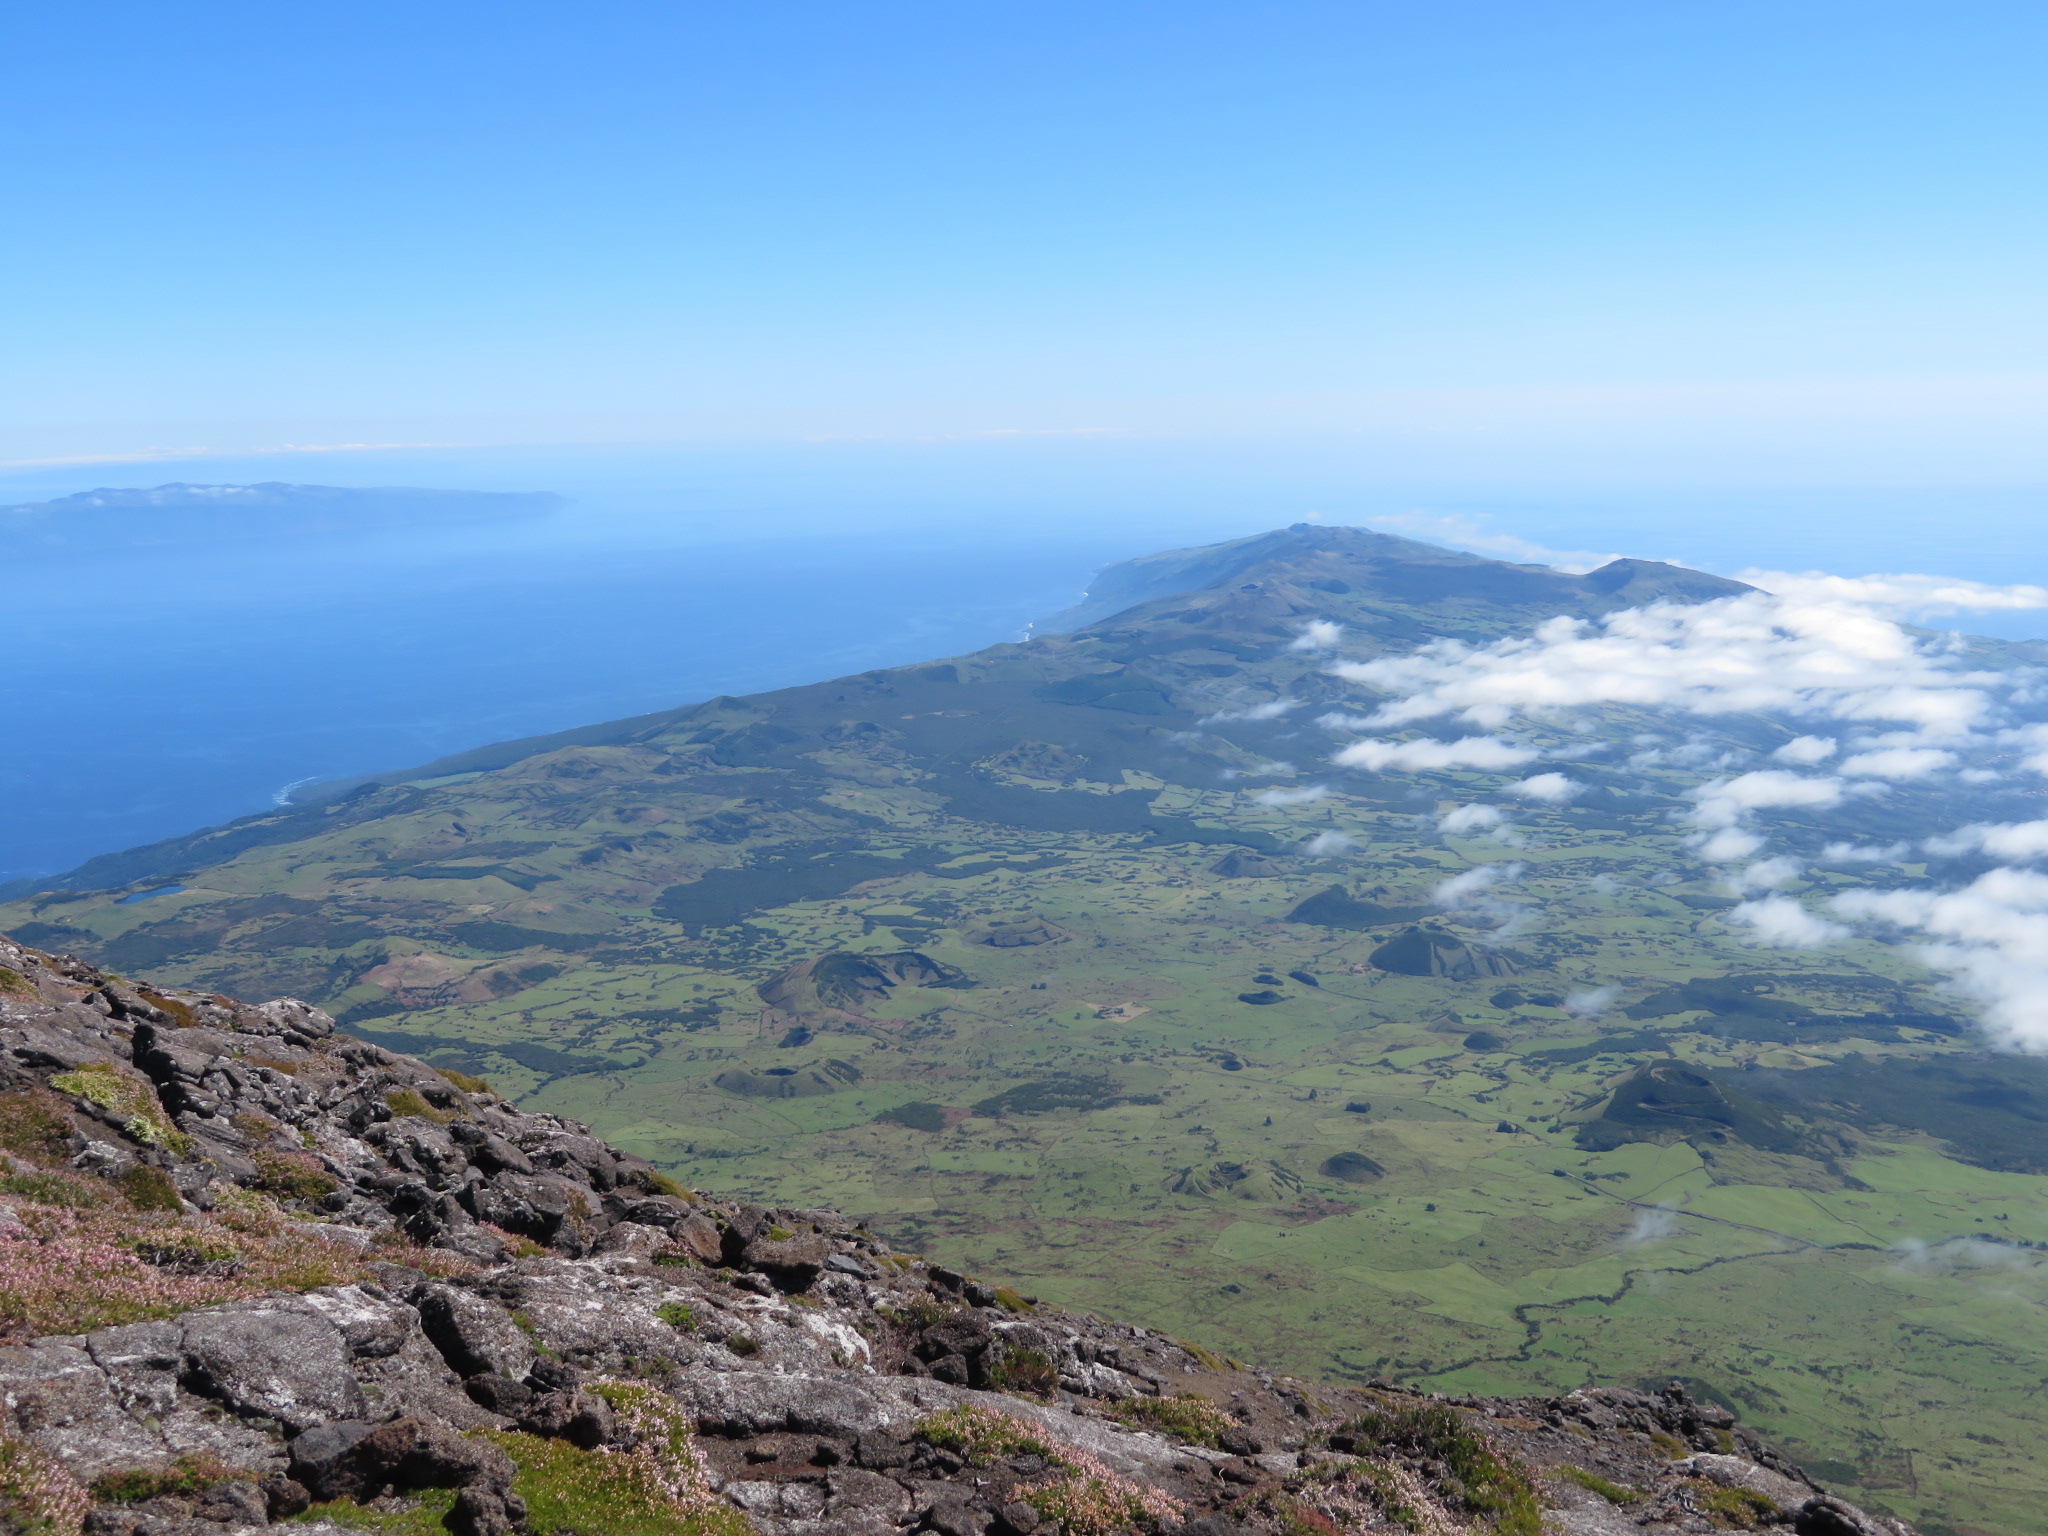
point(1045, 960)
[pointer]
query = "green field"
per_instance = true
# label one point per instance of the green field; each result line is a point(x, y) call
point(1010, 956)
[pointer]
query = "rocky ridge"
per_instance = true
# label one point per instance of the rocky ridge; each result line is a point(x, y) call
point(255, 1272)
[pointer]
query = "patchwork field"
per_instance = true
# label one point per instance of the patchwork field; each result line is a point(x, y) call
point(1049, 962)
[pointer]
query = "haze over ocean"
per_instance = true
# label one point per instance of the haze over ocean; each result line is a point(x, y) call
point(863, 333)
point(676, 576)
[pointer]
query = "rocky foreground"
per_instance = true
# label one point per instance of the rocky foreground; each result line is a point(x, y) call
point(254, 1272)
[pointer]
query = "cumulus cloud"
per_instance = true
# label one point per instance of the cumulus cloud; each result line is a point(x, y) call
point(1470, 818)
point(1488, 753)
point(2015, 842)
point(1864, 853)
point(1958, 1253)
point(1590, 1002)
point(1783, 923)
point(1272, 709)
point(1721, 806)
point(1823, 649)
point(1900, 593)
point(1727, 845)
point(1465, 532)
point(1474, 884)
point(1991, 936)
point(1549, 788)
point(1807, 750)
point(1300, 796)
point(1723, 802)
point(1827, 655)
point(1653, 1223)
point(1317, 635)
point(1764, 875)
point(1897, 762)
point(1323, 844)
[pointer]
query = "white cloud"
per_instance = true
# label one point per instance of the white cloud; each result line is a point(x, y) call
point(1864, 853)
point(1724, 804)
point(1467, 889)
point(1653, 1224)
point(1550, 788)
point(1897, 762)
point(1317, 635)
point(1323, 844)
point(1806, 750)
point(1470, 818)
point(1300, 796)
point(1764, 875)
point(2013, 841)
point(1804, 654)
point(1815, 647)
point(1488, 753)
point(1959, 1253)
point(1900, 593)
point(1782, 923)
point(1728, 845)
point(1464, 532)
point(1590, 1002)
point(1272, 709)
point(1722, 800)
point(1991, 936)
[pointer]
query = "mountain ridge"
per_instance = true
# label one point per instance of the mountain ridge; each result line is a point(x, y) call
point(183, 515)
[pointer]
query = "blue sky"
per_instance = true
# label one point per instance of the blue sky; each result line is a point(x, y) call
point(1742, 239)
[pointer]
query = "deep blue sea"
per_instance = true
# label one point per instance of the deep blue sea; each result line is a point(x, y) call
point(150, 695)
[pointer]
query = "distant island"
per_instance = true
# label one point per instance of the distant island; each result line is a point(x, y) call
point(145, 517)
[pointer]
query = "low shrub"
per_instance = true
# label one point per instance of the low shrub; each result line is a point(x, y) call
point(423, 1513)
point(292, 1175)
point(1025, 1370)
point(150, 1189)
point(658, 1488)
point(71, 1271)
point(406, 1103)
point(1480, 1479)
point(981, 1435)
point(519, 1246)
point(38, 1494)
point(34, 1124)
point(1186, 1416)
point(1348, 1496)
point(50, 1186)
point(189, 1475)
point(1086, 1497)
point(189, 1251)
point(103, 1084)
point(464, 1081)
point(1742, 1509)
point(677, 1315)
point(743, 1344)
point(923, 1311)
point(1297, 1517)
point(1592, 1482)
point(182, 1016)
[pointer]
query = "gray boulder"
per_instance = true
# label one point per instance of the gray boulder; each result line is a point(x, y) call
point(474, 1337)
point(291, 1366)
